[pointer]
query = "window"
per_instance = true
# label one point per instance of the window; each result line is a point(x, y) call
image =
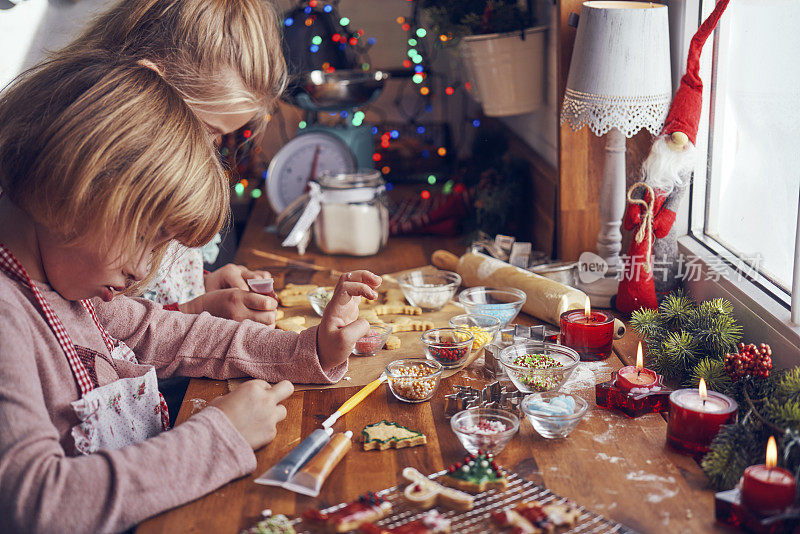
point(747, 184)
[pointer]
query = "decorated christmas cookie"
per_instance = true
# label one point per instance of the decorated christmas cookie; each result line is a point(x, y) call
point(432, 522)
point(425, 493)
point(386, 434)
point(368, 508)
point(532, 518)
point(475, 474)
point(276, 524)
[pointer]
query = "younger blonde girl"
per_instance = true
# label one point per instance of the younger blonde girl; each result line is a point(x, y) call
point(101, 165)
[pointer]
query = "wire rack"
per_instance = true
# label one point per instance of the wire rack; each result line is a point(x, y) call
point(477, 520)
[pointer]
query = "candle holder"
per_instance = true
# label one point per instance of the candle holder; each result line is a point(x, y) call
point(693, 424)
point(730, 510)
point(590, 335)
point(633, 403)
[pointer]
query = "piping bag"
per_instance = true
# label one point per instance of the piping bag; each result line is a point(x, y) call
point(281, 472)
point(309, 480)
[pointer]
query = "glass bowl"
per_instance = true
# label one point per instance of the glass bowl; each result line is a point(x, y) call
point(503, 303)
point(483, 327)
point(429, 290)
point(373, 341)
point(553, 423)
point(319, 298)
point(413, 379)
point(448, 346)
point(485, 429)
point(550, 365)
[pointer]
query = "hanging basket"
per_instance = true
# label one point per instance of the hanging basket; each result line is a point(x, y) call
point(506, 71)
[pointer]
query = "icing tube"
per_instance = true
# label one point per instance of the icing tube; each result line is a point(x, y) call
point(278, 474)
point(309, 480)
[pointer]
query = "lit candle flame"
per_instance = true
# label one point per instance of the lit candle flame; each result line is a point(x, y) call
point(772, 453)
point(587, 308)
point(702, 388)
point(639, 359)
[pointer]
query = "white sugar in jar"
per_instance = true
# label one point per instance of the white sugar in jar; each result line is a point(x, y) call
point(353, 217)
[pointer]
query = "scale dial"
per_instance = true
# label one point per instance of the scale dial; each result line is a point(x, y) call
point(290, 169)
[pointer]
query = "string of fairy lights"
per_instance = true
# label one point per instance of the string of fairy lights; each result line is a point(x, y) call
point(421, 45)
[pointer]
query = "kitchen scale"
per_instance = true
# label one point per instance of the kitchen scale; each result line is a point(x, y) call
point(320, 148)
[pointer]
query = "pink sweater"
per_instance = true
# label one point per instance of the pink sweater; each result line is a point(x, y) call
point(46, 487)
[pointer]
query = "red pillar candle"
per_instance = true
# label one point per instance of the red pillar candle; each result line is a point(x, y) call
point(590, 333)
point(767, 488)
point(695, 416)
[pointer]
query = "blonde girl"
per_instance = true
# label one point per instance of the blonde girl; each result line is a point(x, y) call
point(224, 57)
point(101, 165)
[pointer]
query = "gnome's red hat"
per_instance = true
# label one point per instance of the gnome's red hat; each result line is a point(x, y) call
point(684, 113)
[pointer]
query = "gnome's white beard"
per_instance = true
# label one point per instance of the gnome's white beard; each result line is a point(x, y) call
point(666, 168)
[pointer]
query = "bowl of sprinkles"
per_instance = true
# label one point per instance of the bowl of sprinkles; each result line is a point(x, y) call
point(413, 379)
point(448, 346)
point(484, 429)
point(373, 341)
point(482, 327)
point(429, 290)
point(535, 366)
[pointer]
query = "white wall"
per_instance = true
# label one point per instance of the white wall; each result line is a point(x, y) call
point(33, 27)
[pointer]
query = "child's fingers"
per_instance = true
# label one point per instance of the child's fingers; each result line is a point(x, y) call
point(258, 302)
point(365, 277)
point(357, 289)
point(267, 318)
point(281, 391)
point(353, 332)
point(247, 274)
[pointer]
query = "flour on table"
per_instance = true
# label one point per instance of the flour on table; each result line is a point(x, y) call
point(610, 459)
point(586, 375)
point(656, 487)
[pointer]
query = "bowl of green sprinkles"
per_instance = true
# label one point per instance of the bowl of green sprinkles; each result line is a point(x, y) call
point(536, 366)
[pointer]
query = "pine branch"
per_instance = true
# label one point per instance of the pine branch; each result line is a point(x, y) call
point(676, 309)
point(789, 383)
point(713, 372)
point(717, 334)
point(735, 448)
point(682, 350)
point(648, 324)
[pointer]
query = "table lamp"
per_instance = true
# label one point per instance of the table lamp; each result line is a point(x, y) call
point(619, 82)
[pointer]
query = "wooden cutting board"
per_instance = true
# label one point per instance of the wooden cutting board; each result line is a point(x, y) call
point(364, 369)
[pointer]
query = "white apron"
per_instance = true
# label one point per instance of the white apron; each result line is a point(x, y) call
point(126, 411)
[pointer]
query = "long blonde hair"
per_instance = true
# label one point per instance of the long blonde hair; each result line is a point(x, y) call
point(109, 153)
point(214, 52)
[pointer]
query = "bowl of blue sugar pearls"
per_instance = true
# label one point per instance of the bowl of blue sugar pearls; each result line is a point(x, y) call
point(553, 414)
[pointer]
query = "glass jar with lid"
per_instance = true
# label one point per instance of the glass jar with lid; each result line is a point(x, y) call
point(353, 218)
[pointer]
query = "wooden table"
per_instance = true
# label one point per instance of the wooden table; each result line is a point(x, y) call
point(612, 465)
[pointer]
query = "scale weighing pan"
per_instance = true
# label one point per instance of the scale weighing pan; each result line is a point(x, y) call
point(338, 90)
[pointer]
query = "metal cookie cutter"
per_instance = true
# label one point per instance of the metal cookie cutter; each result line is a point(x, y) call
point(494, 395)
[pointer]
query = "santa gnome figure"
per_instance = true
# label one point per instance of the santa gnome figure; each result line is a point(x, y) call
point(666, 172)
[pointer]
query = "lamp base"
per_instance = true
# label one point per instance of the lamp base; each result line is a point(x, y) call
point(601, 291)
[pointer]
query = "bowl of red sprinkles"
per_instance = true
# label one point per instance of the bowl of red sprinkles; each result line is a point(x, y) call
point(484, 429)
point(448, 346)
point(373, 341)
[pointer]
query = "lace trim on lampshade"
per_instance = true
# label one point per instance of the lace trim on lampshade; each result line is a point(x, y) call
point(601, 112)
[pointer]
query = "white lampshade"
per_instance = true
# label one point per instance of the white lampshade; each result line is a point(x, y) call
point(619, 76)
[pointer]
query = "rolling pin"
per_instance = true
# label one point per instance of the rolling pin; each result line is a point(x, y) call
point(546, 299)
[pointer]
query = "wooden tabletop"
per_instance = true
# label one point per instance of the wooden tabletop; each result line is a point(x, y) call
point(612, 465)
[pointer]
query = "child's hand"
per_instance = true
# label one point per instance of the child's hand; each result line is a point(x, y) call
point(234, 304)
point(340, 327)
point(254, 409)
point(232, 276)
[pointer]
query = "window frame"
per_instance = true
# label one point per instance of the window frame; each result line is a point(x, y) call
point(769, 313)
